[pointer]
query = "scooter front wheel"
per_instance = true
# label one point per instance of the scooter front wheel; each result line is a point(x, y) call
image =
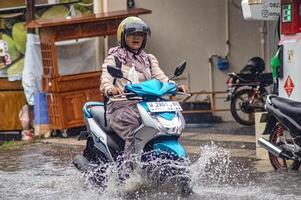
point(167, 170)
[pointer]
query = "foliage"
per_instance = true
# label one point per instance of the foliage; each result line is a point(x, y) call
point(15, 32)
point(7, 145)
point(55, 12)
point(12, 50)
point(19, 36)
point(16, 67)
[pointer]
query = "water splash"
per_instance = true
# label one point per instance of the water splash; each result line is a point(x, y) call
point(215, 166)
point(215, 175)
point(157, 173)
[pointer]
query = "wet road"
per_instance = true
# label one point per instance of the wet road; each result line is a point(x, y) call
point(44, 171)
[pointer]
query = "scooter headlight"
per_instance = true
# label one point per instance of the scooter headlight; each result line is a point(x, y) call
point(173, 126)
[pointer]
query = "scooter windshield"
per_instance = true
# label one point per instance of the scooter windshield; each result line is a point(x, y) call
point(152, 89)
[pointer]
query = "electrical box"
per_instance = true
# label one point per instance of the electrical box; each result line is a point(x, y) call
point(290, 16)
point(290, 82)
point(261, 9)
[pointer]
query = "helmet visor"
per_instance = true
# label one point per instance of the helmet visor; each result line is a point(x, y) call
point(137, 27)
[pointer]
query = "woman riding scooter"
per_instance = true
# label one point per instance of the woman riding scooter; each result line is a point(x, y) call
point(137, 66)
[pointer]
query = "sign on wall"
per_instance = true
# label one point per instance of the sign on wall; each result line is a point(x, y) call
point(289, 86)
point(261, 10)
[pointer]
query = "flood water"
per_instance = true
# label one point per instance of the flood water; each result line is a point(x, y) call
point(45, 171)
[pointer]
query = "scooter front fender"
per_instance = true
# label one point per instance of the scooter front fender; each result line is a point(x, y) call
point(171, 146)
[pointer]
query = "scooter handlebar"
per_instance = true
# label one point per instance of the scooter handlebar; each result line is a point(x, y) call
point(131, 94)
point(124, 95)
point(184, 93)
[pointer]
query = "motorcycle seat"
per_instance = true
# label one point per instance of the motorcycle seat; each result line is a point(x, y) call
point(288, 107)
point(98, 114)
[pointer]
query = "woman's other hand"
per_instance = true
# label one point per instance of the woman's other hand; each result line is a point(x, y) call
point(183, 88)
point(115, 91)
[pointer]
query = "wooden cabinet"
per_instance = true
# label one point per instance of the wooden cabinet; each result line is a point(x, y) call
point(65, 109)
point(74, 101)
point(12, 99)
point(66, 94)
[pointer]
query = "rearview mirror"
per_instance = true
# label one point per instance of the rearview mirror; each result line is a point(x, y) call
point(115, 72)
point(180, 69)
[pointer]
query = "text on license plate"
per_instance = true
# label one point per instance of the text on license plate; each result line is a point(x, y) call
point(165, 106)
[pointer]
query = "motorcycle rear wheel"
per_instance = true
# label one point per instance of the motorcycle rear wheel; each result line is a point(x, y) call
point(92, 154)
point(280, 163)
point(242, 113)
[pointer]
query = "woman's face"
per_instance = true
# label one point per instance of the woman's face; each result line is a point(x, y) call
point(134, 40)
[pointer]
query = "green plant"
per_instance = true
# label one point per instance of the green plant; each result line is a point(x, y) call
point(7, 145)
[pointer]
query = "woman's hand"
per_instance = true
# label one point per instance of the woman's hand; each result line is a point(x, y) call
point(115, 91)
point(183, 88)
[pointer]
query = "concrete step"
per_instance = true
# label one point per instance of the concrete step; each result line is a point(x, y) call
point(238, 145)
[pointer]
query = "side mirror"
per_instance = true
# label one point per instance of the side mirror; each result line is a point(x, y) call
point(115, 72)
point(179, 70)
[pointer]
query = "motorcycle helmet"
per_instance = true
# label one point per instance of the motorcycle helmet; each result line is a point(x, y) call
point(254, 65)
point(131, 25)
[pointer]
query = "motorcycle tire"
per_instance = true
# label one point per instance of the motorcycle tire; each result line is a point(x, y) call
point(92, 154)
point(243, 116)
point(89, 152)
point(98, 164)
point(276, 162)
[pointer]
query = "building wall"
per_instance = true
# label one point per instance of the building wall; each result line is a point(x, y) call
point(192, 30)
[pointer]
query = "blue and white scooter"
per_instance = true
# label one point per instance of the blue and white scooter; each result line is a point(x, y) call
point(157, 137)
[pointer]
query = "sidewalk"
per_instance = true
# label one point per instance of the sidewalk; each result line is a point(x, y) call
point(233, 128)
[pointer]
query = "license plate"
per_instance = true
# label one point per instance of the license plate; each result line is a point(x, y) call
point(165, 106)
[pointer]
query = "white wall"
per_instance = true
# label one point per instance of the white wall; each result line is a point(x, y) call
point(192, 30)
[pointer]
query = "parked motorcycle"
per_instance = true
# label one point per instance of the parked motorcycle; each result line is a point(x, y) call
point(157, 138)
point(283, 124)
point(247, 91)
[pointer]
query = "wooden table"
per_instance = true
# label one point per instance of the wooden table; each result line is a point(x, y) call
point(12, 97)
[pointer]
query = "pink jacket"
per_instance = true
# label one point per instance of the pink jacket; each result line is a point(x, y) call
point(107, 79)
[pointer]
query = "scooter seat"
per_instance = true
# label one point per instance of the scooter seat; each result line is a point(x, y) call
point(288, 107)
point(98, 114)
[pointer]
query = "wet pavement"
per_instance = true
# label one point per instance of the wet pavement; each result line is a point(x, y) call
point(223, 167)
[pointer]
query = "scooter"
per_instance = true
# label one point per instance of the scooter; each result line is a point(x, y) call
point(283, 125)
point(157, 138)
